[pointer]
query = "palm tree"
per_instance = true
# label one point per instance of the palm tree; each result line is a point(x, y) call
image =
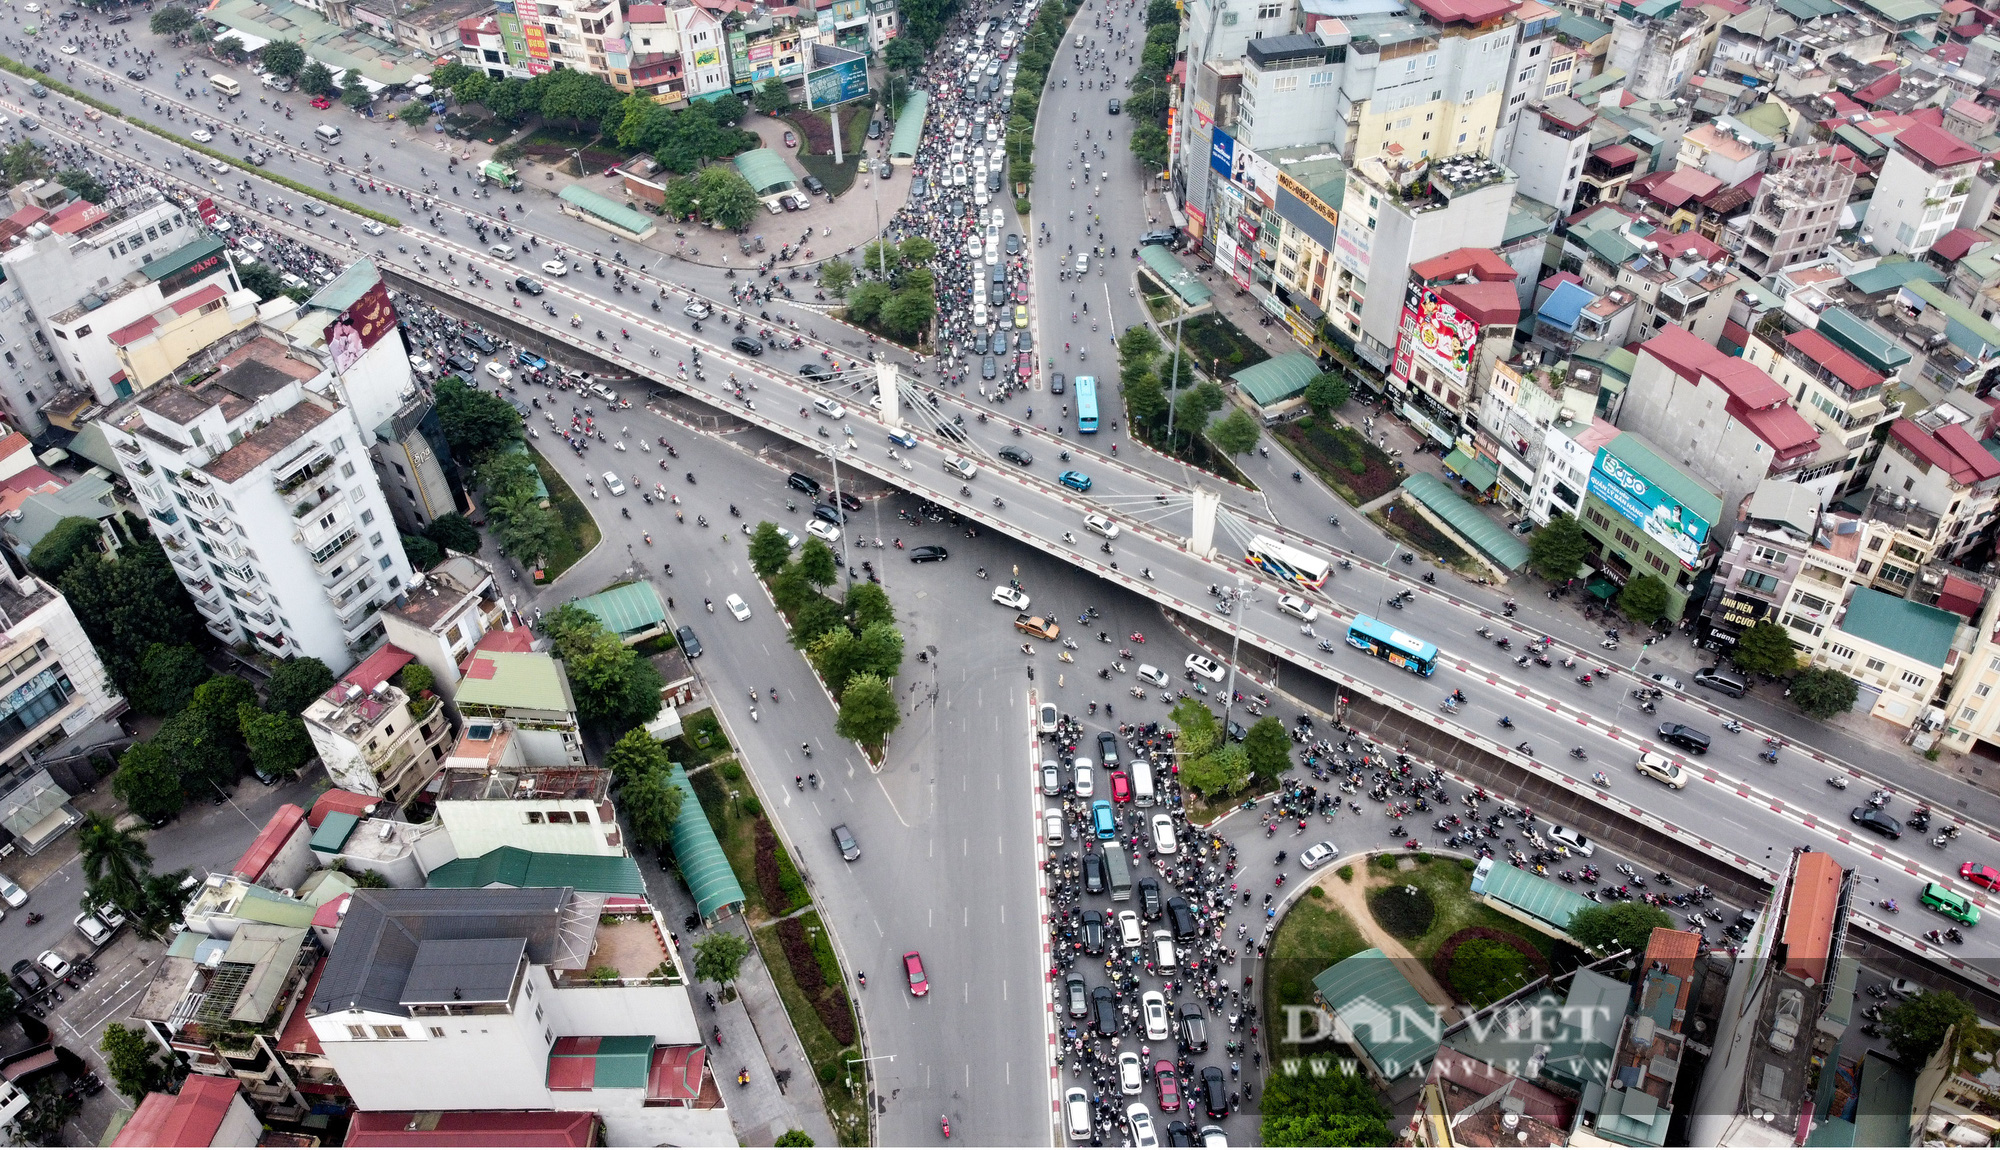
point(115, 861)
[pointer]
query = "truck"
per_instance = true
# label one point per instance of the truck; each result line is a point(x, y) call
point(501, 174)
point(1119, 874)
point(1037, 626)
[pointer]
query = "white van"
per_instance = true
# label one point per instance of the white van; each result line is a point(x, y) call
point(1142, 783)
point(226, 86)
point(1163, 952)
point(327, 133)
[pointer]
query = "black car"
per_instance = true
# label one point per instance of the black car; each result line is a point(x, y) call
point(1017, 457)
point(814, 371)
point(812, 184)
point(1023, 341)
point(747, 346)
point(1877, 821)
point(1237, 732)
point(1078, 996)
point(1159, 236)
point(952, 431)
point(464, 363)
point(830, 513)
point(689, 644)
point(1149, 898)
point(874, 129)
point(477, 341)
point(1105, 1006)
point(130, 73)
point(1193, 1027)
point(844, 840)
point(1107, 749)
point(1093, 873)
point(988, 368)
point(1113, 107)
point(1180, 1133)
point(801, 482)
point(29, 977)
point(1013, 244)
point(982, 343)
point(1056, 382)
point(928, 553)
point(993, 181)
point(1216, 1089)
point(1685, 737)
point(1093, 932)
point(850, 501)
point(527, 286)
point(253, 156)
point(999, 343)
point(919, 188)
point(1182, 916)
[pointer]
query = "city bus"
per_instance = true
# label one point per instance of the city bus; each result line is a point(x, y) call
point(1281, 561)
point(1385, 642)
point(1086, 404)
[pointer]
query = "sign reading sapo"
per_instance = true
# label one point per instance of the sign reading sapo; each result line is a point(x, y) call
point(1650, 509)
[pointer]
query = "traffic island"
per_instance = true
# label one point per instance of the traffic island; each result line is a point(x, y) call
point(1338, 456)
point(813, 987)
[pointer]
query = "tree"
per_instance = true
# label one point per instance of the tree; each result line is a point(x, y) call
point(1138, 344)
point(1325, 1106)
point(796, 1136)
point(127, 605)
point(228, 46)
point(879, 650)
point(816, 563)
point(475, 423)
point(415, 679)
point(908, 313)
point(130, 1056)
point(165, 900)
point(23, 162)
point(577, 96)
point(1644, 599)
point(653, 803)
point(1196, 404)
point(48, 1112)
point(355, 94)
point(416, 113)
point(1268, 747)
point(285, 58)
point(904, 56)
point(1237, 434)
point(836, 275)
point(1149, 144)
point(73, 537)
point(148, 783)
point(727, 109)
point(421, 552)
point(773, 97)
point(1145, 399)
point(170, 673)
point(115, 861)
point(868, 711)
point(918, 251)
point(1483, 970)
point(261, 279)
point(171, 21)
point(1199, 731)
point(1557, 549)
point(867, 604)
point(1766, 649)
point(297, 683)
point(1326, 392)
point(1916, 1027)
point(726, 197)
point(1224, 770)
point(616, 688)
point(719, 957)
point(85, 185)
point(1823, 692)
point(865, 300)
point(635, 753)
point(879, 256)
point(316, 79)
point(836, 654)
point(278, 744)
point(1616, 926)
point(454, 532)
point(768, 550)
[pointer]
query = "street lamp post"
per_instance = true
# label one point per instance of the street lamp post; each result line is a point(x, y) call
point(847, 572)
point(1235, 645)
point(1173, 387)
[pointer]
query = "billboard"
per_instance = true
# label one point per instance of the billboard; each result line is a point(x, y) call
point(1222, 152)
point(358, 328)
point(1435, 336)
point(1648, 508)
point(537, 40)
point(836, 77)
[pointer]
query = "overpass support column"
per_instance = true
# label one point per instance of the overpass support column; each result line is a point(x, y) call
point(892, 395)
point(1202, 542)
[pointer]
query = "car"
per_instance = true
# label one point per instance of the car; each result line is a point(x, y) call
point(1904, 988)
point(1020, 315)
point(1166, 1085)
point(1086, 778)
point(823, 531)
point(1666, 680)
point(201, 135)
point(1121, 787)
point(737, 607)
point(747, 345)
point(814, 371)
point(54, 963)
point(1082, 262)
point(1129, 935)
point(253, 156)
point(1016, 456)
point(33, 8)
point(690, 645)
point(1979, 874)
point(30, 978)
point(1057, 383)
point(1012, 598)
point(1157, 236)
point(322, 102)
point(829, 513)
point(1949, 903)
point(1093, 930)
point(1051, 778)
point(1077, 996)
point(1052, 826)
point(1149, 898)
point(1074, 480)
point(1317, 854)
point(107, 914)
point(1013, 244)
point(844, 842)
point(1094, 877)
point(1877, 821)
point(89, 926)
point(1101, 525)
point(555, 268)
point(372, 228)
point(929, 553)
point(1297, 608)
point(1163, 835)
point(476, 340)
point(1045, 719)
point(1568, 836)
point(1656, 766)
point(1215, 1089)
point(1147, 673)
point(1193, 1026)
point(814, 185)
point(803, 483)
point(530, 359)
point(31, 124)
point(1113, 107)
point(1103, 819)
point(1204, 666)
point(1104, 1011)
point(499, 373)
point(462, 363)
point(1131, 1073)
point(12, 893)
point(1077, 1113)
point(1107, 748)
point(613, 484)
point(1153, 1009)
point(1024, 340)
point(913, 966)
point(220, 166)
point(528, 286)
point(988, 368)
point(1179, 1133)
point(1140, 1121)
point(874, 129)
point(1685, 737)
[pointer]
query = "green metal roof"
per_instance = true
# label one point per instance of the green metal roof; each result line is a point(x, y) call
point(1963, 327)
point(1912, 629)
point(350, 285)
point(1804, 10)
point(1883, 1116)
point(1609, 78)
point(261, 905)
point(1467, 522)
point(183, 257)
point(1890, 276)
point(1693, 494)
point(1474, 470)
point(766, 170)
point(1382, 1010)
point(1863, 340)
point(910, 125)
point(529, 680)
point(1175, 275)
point(332, 834)
point(514, 867)
point(1276, 380)
point(1766, 119)
point(616, 1061)
point(257, 22)
point(1582, 28)
point(1902, 11)
point(627, 610)
point(699, 856)
point(628, 220)
point(1543, 900)
point(1864, 145)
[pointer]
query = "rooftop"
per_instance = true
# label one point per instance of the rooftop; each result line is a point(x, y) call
point(474, 784)
point(514, 867)
point(442, 593)
point(530, 681)
point(191, 1118)
point(1922, 634)
point(393, 941)
point(1935, 148)
point(263, 444)
point(473, 1128)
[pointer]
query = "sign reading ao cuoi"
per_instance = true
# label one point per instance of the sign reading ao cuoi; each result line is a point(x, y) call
point(1650, 509)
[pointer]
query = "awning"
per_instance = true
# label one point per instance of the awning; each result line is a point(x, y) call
point(1601, 588)
point(703, 865)
point(1474, 470)
point(1467, 523)
point(1175, 275)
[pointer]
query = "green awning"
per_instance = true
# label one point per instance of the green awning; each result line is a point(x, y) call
point(1468, 524)
point(629, 611)
point(1277, 380)
point(1474, 470)
point(766, 170)
point(1601, 588)
point(629, 221)
point(1175, 275)
point(332, 833)
point(699, 855)
point(909, 127)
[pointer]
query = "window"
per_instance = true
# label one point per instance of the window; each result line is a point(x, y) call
point(1840, 652)
point(375, 540)
point(1759, 581)
point(438, 1031)
point(347, 470)
point(385, 561)
point(358, 1033)
point(1983, 690)
point(1874, 664)
point(1269, 11)
point(1914, 679)
point(367, 517)
point(1285, 84)
point(390, 1032)
point(538, 1014)
point(1966, 714)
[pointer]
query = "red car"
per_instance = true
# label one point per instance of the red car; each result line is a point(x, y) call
point(1979, 874)
point(791, 141)
point(1169, 1086)
point(913, 965)
point(322, 103)
point(1121, 787)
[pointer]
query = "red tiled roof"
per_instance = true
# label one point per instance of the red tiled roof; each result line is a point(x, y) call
point(331, 911)
point(146, 324)
point(677, 1072)
point(1960, 441)
point(1935, 147)
point(646, 14)
point(1824, 352)
point(1747, 384)
point(1487, 303)
point(1685, 353)
point(1879, 88)
point(190, 1118)
point(76, 216)
point(1616, 153)
point(297, 1037)
point(284, 821)
point(573, 1062)
point(1560, 278)
point(1961, 596)
point(1483, 263)
point(473, 1128)
point(380, 666)
point(1674, 189)
point(1970, 109)
point(336, 799)
point(1676, 950)
point(1466, 11)
point(1674, 245)
point(1959, 455)
point(1809, 916)
point(1789, 434)
point(1841, 105)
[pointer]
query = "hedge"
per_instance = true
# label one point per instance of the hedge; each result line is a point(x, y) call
point(1441, 961)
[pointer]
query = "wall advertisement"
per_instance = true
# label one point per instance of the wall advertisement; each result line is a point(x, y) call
point(1648, 508)
point(1437, 336)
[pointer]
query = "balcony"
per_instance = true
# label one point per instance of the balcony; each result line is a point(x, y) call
point(310, 498)
point(327, 558)
point(131, 447)
point(298, 477)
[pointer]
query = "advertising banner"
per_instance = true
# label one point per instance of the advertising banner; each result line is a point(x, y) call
point(1197, 221)
point(1648, 508)
point(1222, 152)
point(1436, 336)
point(360, 327)
point(206, 210)
point(838, 76)
point(537, 40)
point(529, 11)
point(1225, 247)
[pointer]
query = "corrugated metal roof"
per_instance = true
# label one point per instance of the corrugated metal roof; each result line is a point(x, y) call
point(627, 610)
point(1379, 1007)
point(766, 170)
point(1692, 493)
point(1182, 282)
point(333, 831)
point(1492, 540)
point(629, 220)
point(377, 948)
point(531, 680)
point(910, 125)
point(514, 867)
point(1912, 629)
point(1541, 899)
point(699, 856)
point(1276, 380)
point(1889, 276)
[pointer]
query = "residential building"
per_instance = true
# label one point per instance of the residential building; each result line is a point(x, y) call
point(548, 810)
point(701, 37)
point(1544, 68)
point(1955, 1100)
point(517, 707)
point(1548, 151)
point(1657, 45)
point(1835, 392)
point(260, 489)
point(1459, 312)
point(1607, 172)
point(449, 609)
point(1302, 272)
point(1649, 517)
point(1525, 401)
point(482, 48)
point(1774, 532)
point(1922, 189)
point(1938, 461)
point(372, 736)
point(1726, 149)
point(1899, 653)
point(658, 68)
point(1797, 211)
point(499, 999)
point(1569, 451)
point(207, 1112)
point(1971, 716)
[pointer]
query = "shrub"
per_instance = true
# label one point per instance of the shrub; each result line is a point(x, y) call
point(1468, 864)
point(1443, 962)
point(732, 771)
point(829, 1000)
point(1386, 861)
point(1346, 874)
point(1483, 971)
point(1317, 892)
point(770, 874)
point(1404, 911)
point(1423, 858)
point(752, 806)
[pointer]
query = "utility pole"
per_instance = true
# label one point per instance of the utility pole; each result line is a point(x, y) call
point(1235, 645)
point(1173, 388)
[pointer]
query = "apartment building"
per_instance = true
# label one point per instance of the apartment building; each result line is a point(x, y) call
point(1657, 45)
point(1775, 527)
point(260, 488)
point(1922, 189)
point(372, 736)
point(487, 807)
point(1526, 400)
point(448, 610)
point(1835, 392)
point(1899, 653)
point(1459, 312)
point(1797, 212)
point(1725, 148)
point(1938, 461)
point(517, 706)
point(1548, 151)
point(1569, 451)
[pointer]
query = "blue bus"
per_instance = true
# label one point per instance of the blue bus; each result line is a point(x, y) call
point(1086, 404)
point(1385, 642)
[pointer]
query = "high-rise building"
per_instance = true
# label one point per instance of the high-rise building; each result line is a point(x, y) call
point(1549, 144)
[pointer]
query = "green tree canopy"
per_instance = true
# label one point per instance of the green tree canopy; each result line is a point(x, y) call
point(454, 532)
point(127, 605)
point(416, 113)
point(865, 301)
point(1237, 433)
point(635, 753)
point(1138, 344)
point(868, 711)
point(278, 744)
point(816, 565)
point(1334, 1108)
point(1557, 549)
point(816, 617)
point(148, 783)
point(1199, 730)
point(1196, 404)
point(836, 275)
point(421, 552)
point(23, 162)
point(868, 604)
point(653, 803)
point(1617, 925)
point(1483, 970)
point(1326, 392)
point(768, 550)
point(475, 423)
point(1766, 649)
point(171, 21)
point(285, 58)
point(72, 538)
point(115, 861)
point(773, 97)
point(1916, 1027)
point(1268, 748)
point(1223, 770)
point(796, 1136)
point(719, 957)
point(725, 196)
point(85, 185)
point(170, 673)
point(615, 687)
point(297, 683)
point(132, 1058)
point(316, 79)
point(1644, 599)
point(904, 55)
point(1823, 692)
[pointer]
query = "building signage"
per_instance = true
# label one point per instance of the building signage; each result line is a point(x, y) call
point(1225, 247)
point(707, 58)
point(1222, 152)
point(1436, 336)
point(1306, 197)
point(1741, 612)
point(198, 265)
point(32, 689)
point(529, 11)
point(843, 77)
point(537, 40)
point(1648, 508)
point(1197, 221)
point(360, 327)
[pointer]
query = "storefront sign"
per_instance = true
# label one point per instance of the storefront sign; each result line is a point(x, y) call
point(1648, 508)
point(1741, 612)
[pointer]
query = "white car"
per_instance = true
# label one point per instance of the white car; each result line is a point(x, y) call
point(90, 927)
point(1051, 778)
point(372, 228)
point(1297, 608)
point(31, 8)
point(107, 914)
point(1086, 780)
point(1662, 768)
point(69, 49)
point(218, 166)
point(829, 408)
point(12, 893)
point(791, 540)
point(1153, 1007)
point(1011, 598)
point(992, 253)
point(975, 248)
point(738, 608)
point(1082, 262)
point(1572, 840)
point(613, 484)
point(1666, 680)
point(1052, 826)
point(1150, 674)
point(54, 963)
point(556, 268)
point(201, 135)
point(1204, 666)
point(1130, 1079)
point(500, 373)
point(1163, 835)
point(823, 531)
point(1140, 1119)
point(1129, 935)
point(1316, 854)
point(1076, 1108)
